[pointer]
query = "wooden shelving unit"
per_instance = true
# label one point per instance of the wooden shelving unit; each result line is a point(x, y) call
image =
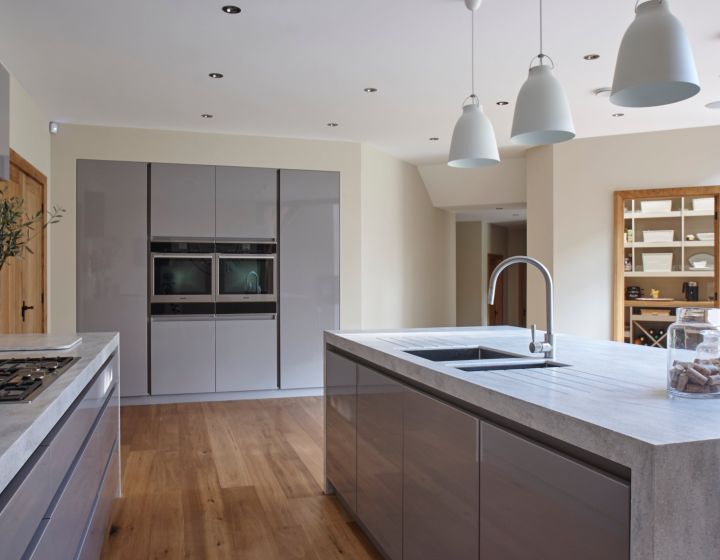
point(633, 319)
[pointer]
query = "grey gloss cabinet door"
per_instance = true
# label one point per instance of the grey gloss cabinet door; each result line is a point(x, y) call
point(111, 265)
point(309, 273)
point(182, 356)
point(380, 459)
point(245, 353)
point(341, 426)
point(539, 504)
point(246, 203)
point(182, 200)
point(441, 480)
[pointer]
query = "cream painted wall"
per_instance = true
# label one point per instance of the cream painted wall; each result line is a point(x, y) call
point(124, 144)
point(470, 301)
point(540, 228)
point(408, 248)
point(463, 188)
point(29, 134)
point(584, 175)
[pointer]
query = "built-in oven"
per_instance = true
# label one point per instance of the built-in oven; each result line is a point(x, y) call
point(182, 277)
point(246, 277)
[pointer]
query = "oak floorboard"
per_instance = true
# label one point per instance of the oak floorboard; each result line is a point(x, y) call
point(228, 480)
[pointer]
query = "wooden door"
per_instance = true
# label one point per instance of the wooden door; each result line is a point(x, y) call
point(496, 313)
point(22, 280)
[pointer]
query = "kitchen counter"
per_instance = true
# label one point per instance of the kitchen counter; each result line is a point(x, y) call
point(610, 402)
point(23, 426)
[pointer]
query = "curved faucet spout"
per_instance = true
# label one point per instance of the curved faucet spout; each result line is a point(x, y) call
point(549, 346)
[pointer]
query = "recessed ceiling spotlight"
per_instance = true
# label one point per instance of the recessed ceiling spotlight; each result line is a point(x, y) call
point(713, 105)
point(618, 114)
point(499, 208)
point(516, 215)
point(207, 116)
point(433, 139)
point(216, 75)
point(602, 91)
point(502, 103)
point(332, 124)
point(231, 9)
point(370, 90)
point(591, 56)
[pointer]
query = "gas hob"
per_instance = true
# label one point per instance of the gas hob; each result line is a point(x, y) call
point(23, 379)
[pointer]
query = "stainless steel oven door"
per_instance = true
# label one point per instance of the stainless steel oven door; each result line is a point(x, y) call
point(182, 277)
point(243, 278)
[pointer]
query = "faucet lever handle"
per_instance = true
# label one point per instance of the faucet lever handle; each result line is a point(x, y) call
point(533, 328)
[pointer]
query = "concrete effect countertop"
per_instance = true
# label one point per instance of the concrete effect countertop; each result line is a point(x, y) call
point(610, 401)
point(23, 426)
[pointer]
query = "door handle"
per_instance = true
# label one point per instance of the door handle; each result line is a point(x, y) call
point(24, 308)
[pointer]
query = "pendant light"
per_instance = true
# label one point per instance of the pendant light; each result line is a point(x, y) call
point(473, 141)
point(655, 65)
point(542, 112)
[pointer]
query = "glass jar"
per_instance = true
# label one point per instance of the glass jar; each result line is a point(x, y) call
point(693, 342)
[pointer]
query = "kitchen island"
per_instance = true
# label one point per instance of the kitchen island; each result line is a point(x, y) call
point(59, 454)
point(584, 459)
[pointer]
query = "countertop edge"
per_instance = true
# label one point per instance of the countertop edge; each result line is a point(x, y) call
point(14, 457)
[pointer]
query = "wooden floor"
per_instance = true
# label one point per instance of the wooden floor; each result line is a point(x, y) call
point(240, 480)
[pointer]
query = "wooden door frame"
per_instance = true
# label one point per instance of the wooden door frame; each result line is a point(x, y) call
point(29, 169)
point(618, 318)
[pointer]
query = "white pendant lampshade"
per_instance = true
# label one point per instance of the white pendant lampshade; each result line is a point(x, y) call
point(655, 65)
point(473, 5)
point(542, 112)
point(473, 141)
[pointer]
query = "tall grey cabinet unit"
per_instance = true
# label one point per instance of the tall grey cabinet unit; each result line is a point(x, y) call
point(441, 480)
point(112, 261)
point(246, 203)
point(183, 355)
point(182, 200)
point(539, 503)
point(309, 272)
point(380, 459)
point(341, 426)
point(245, 352)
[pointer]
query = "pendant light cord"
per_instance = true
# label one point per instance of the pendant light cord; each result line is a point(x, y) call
point(541, 55)
point(472, 49)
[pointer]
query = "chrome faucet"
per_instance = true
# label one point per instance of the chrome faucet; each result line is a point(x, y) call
point(548, 345)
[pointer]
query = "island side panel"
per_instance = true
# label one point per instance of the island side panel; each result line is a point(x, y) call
point(687, 501)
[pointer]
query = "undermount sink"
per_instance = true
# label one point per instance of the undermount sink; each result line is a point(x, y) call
point(526, 363)
point(462, 354)
point(478, 358)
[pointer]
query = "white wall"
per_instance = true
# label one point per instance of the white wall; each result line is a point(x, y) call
point(464, 188)
point(585, 173)
point(408, 248)
point(124, 144)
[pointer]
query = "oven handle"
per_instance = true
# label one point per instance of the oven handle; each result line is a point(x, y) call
point(246, 316)
point(246, 256)
point(161, 318)
point(183, 255)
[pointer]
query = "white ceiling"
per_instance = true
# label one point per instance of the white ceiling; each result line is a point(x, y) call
point(290, 67)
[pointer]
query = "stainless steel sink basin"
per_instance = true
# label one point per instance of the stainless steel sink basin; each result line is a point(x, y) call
point(525, 363)
point(464, 354)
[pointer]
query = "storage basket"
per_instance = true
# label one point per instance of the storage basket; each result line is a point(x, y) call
point(658, 235)
point(656, 205)
point(657, 262)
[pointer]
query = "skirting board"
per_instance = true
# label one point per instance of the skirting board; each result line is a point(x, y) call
point(216, 397)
